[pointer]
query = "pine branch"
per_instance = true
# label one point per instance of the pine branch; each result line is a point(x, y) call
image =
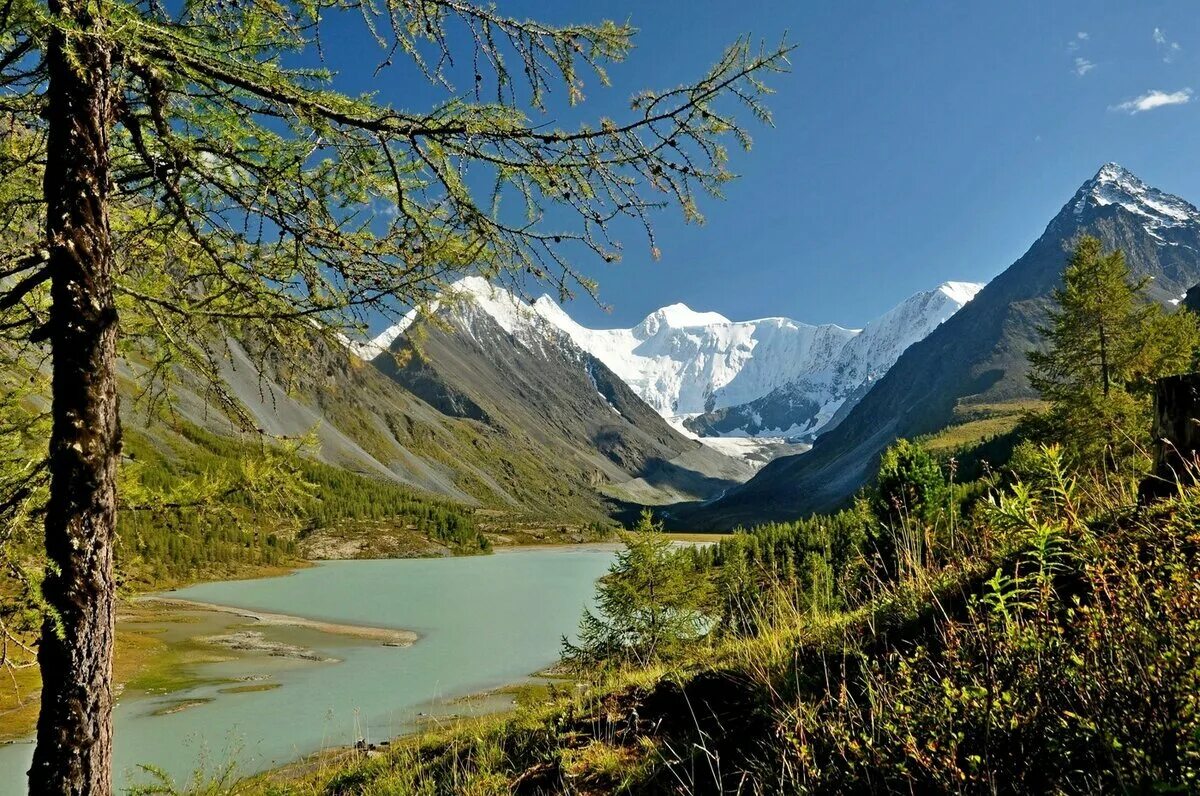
point(12, 296)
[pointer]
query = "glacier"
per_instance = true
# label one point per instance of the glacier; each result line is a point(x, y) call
point(713, 377)
point(686, 364)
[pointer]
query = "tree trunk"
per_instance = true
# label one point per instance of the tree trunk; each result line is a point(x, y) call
point(74, 734)
point(1176, 436)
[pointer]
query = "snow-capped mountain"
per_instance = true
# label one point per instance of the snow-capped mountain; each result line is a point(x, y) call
point(685, 363)
point(483, 355)
point(468, 296)
point(1116, 185)
point(767, 377)
point(979, 357)
point(771, 377)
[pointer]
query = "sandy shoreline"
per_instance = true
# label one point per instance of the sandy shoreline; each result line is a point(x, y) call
point(384, 635)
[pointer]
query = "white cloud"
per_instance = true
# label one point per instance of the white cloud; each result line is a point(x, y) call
point(1074, 44)
point(1154, 99)
point(1169, 49)
point(1083, 66)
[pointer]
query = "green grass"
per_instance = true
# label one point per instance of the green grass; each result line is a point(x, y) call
point(697, 538)
point(179, 705)
point(19, 703)
point(977, 423)
point(1054, 647)
point(254, 688)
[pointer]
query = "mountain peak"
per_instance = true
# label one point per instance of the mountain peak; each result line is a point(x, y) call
point(1116, 185)
point(1115, 172)
point(474, 286)
point(472, 291)
point(679, 316)
point(960, 292)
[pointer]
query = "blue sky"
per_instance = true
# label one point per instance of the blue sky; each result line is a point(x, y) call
point(914, 142)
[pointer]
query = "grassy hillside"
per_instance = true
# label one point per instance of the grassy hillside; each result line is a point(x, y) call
point(1048, 641)
point(262, 507)
point(363, 422)
point(474, 415)
point(977, 423)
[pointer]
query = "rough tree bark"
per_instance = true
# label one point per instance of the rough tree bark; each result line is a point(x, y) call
point(74, 733)
point(1176, 436)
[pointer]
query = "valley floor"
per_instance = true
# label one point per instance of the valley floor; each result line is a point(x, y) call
point(147, 661)
point(158, 646)
point(1062, 655)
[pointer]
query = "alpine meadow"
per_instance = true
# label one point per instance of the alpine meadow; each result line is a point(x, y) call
point(360, 434)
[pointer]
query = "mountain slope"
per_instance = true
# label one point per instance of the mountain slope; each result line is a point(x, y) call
point(772, 376)
point(978, 355)
point(362, 421)
point(489, 359)
point(1191, 299)
point(495, 408)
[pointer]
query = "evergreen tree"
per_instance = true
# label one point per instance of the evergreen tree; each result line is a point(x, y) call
point(911, 504)
point(909, 485)
point(651, 605)
point(1106, 346)
point(167, 181)
point(739, 591)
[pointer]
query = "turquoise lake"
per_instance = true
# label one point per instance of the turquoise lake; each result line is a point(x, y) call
point(483, 621)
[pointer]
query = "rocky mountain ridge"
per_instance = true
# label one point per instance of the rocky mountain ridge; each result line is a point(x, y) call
point(978, 356)
point(770, 377)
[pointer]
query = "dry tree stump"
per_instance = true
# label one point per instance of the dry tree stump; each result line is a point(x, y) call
point(1176, 436)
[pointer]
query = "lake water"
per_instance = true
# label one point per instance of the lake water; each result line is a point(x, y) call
point(484, 622)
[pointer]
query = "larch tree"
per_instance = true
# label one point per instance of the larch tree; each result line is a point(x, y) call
point(1106, 344)
point(911, 501)
point(651, 606)
point(168, 180)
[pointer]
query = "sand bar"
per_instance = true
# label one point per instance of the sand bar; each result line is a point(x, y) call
point(384, 635)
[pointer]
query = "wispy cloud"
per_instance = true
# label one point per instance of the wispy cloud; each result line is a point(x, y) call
point(1082, 65)
point(1154, 99)
point(1169, 49)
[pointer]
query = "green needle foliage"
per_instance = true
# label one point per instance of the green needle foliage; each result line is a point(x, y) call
point(1107, 345)
point(651, 606)
point(170, 180)
point(251, 198)
point(911, 499)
